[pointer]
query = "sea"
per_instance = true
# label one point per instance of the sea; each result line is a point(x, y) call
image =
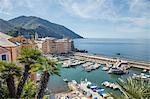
point(134, 49)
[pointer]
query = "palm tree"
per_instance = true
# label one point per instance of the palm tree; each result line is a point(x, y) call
point(3, 89)
point(48, 67)
point(133, 89)
point(29, 89)
point(28, 57)
point(8, 71)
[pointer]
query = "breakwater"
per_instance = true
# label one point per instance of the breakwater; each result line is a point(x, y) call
point(112, 61)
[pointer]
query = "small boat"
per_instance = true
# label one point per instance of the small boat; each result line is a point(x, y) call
point(103, 94)
point(144, 70)
point(106, 83)
point(87, 64)
point(142, 76)
point(111, 85)
point(116, 71)
point(115, 86)
point(97, 89)
point(105, 68)
point(65, 80)
point(90, 85)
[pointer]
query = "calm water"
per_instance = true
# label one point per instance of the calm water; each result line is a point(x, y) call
point(134, 49)
point(138, 49)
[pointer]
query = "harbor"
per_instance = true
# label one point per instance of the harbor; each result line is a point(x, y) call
point(83, 90)
point(113, 65)
point(77, 73)
point(104, 71)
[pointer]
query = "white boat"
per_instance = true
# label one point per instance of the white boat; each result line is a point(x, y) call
point(105, 68)
point(65, 80)
point(87, 64)
point(106, 83)
point(116, 71)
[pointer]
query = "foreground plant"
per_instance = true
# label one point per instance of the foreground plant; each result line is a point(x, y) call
point(7, 72)
point(133, 89)
point(28, 57)
point(48, 67)
point(29, 90)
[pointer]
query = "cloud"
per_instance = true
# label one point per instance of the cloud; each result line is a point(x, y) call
point(128, 16)
point(5, 7)
point(132, 11)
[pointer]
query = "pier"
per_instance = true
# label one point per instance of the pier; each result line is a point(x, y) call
point(115, 62)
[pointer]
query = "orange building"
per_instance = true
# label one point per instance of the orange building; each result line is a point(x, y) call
point(14, 44)
point(50, 45)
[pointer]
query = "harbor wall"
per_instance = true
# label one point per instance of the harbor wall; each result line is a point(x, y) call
point(112, 61)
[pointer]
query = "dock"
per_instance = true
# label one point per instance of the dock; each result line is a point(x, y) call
point(116, 62)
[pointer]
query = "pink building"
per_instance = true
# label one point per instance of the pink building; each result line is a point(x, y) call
point(5, 54)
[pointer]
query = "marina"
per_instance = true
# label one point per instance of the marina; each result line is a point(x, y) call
point(98, 76)
point(112, 65)
point(84, 90)
point(107, 71)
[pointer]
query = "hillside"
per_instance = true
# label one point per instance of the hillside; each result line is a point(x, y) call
point(5, 26)
point(26, 26)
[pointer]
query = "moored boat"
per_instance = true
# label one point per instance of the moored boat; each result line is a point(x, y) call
point(116, 71)
point(105, 68)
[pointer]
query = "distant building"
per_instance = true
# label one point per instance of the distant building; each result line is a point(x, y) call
point(51, 45)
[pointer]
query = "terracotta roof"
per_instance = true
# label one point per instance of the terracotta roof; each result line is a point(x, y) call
point(3, 50)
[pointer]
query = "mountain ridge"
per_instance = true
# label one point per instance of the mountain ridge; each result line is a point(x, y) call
point(26, 25)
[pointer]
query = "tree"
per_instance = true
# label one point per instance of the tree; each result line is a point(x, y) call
point(48, 67)
point(28, 57)
point(3, 89)
point(133, 89)
point(8, 72)
point(29, 89)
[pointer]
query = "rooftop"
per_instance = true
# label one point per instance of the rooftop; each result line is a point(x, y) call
point(6, 43)
point(5, 35)
point(3, 50)
point(4, 40)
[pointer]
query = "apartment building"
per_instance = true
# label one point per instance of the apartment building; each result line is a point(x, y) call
point(51, 45)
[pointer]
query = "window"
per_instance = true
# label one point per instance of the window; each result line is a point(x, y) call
point(4, 57)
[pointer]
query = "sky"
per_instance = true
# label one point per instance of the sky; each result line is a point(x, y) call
point(88, 18)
